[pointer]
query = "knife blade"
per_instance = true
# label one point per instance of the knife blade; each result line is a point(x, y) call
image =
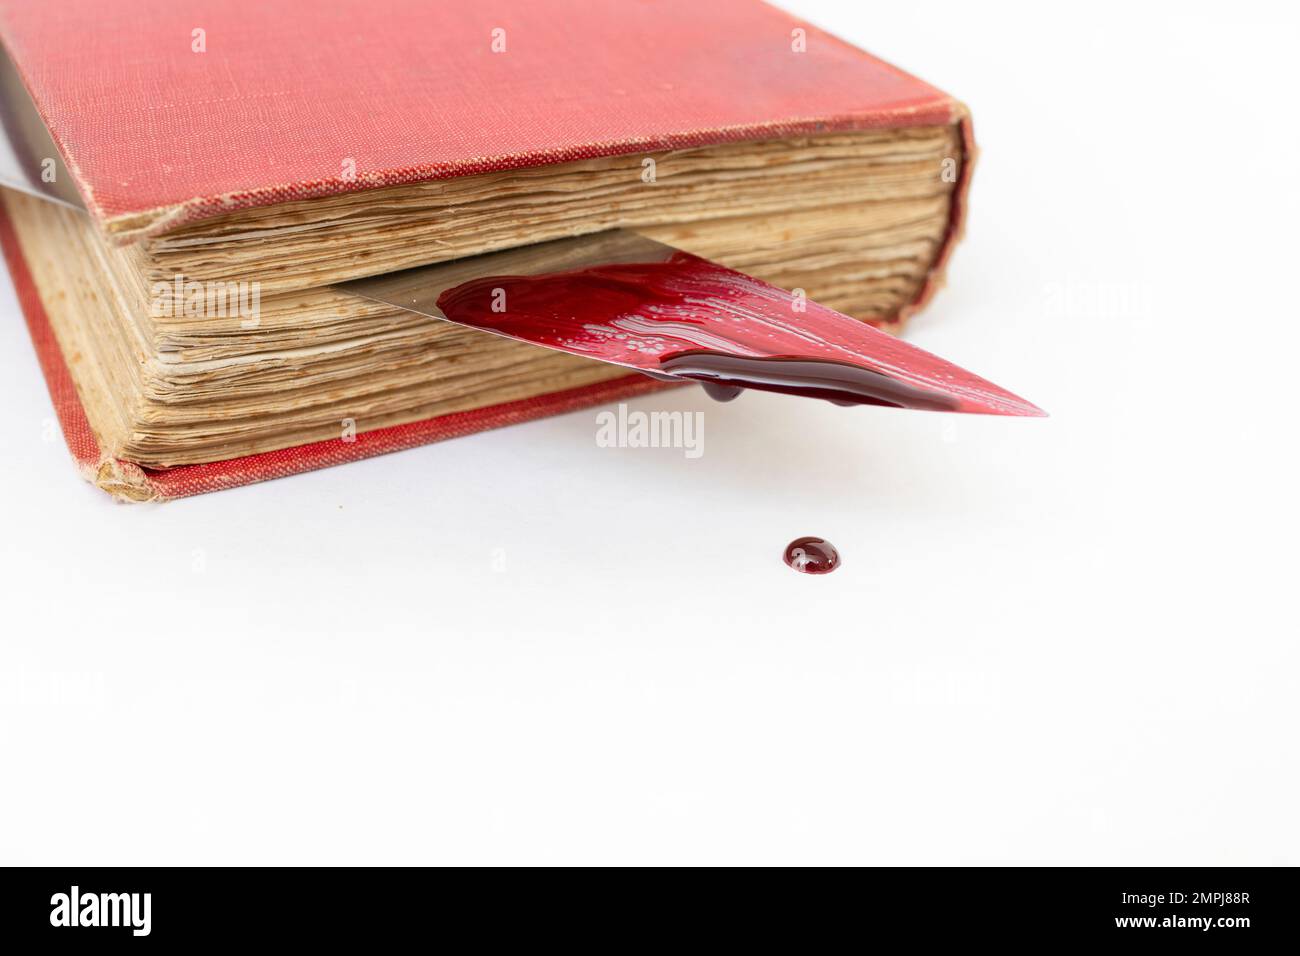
point(29, 160)
point(622, 298)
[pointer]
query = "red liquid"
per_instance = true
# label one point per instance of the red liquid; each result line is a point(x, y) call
point(723, 376)
point(812, 555)
point(689, 318)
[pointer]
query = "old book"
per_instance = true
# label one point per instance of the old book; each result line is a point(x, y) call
point(240, 162)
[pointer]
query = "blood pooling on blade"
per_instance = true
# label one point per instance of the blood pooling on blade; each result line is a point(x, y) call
point(691, 319)
point(812, 555)
point(723, 375)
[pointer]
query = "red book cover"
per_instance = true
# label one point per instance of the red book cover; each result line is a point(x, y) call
point(167, 112)
point(157, 133)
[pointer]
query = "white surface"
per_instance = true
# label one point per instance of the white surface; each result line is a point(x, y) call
point(1060, 641)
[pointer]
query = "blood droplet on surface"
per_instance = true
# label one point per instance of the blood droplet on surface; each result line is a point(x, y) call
point(812, 555)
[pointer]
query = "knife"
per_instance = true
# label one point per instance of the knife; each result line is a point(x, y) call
point(621, 298)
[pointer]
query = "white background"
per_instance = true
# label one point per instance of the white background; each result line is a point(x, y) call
point(1060, 641)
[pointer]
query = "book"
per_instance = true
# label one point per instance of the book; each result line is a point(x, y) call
point(240, 163)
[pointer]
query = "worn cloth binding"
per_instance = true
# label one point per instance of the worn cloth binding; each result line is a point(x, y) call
point(173, 111)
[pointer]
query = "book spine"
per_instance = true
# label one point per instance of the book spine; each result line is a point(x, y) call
point(958, 209)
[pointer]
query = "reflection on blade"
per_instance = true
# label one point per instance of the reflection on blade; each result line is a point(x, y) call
point(29, 160)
